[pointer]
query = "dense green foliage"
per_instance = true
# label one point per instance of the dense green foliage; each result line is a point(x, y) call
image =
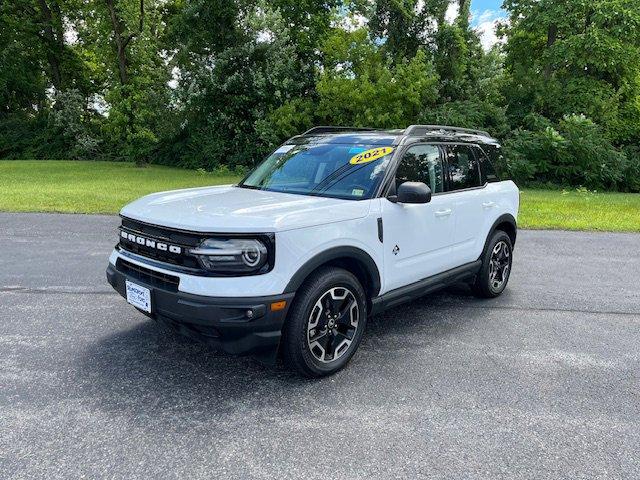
point(211, 83)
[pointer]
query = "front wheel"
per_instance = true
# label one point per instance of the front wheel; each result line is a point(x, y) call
point(325, 324)
point(496, 267)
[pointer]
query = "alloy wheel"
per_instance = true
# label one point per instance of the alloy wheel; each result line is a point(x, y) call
point(499, 265)
point(333, 324)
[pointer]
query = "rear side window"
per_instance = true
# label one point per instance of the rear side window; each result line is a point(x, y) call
point(487, 172)
point(422, 163)
point(462, 168)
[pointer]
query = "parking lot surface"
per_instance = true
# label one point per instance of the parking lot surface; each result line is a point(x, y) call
point(543, 382)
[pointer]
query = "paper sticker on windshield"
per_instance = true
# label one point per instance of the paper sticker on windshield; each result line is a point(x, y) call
point(370, 155)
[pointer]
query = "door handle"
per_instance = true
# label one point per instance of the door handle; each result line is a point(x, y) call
point(443, 213)
point(489, 204)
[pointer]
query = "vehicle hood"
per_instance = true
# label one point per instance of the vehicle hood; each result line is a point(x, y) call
point(240, 210)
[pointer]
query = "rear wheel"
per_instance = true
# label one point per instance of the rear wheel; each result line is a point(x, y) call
point(496, 266)
point(325, 324)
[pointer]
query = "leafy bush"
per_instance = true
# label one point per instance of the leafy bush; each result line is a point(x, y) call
point(575, 153)
point(69, 120)
point(631, 172)
point(468, 114)
point(25, 136)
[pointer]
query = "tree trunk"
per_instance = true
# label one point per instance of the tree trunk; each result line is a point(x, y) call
point(120, 41)
point(552, 35)
point(54, 39)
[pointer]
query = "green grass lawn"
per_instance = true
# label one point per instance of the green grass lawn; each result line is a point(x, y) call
point(577, 210)
point(89, 187)
point(104, 187)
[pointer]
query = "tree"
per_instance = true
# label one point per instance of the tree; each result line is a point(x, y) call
point(124, 38)
point(400, 26)
point(226, 92)
point(576, 57)
point(365, 89)
point(218, 83)
point(22, 79)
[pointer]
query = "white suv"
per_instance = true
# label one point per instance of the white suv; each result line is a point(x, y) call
point(336, 225)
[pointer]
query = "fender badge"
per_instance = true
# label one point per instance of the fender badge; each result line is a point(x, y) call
point(396, 249)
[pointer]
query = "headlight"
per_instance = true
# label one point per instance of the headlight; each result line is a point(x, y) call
point(233, 255)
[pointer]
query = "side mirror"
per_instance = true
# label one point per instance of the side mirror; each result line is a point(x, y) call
point(411, 192)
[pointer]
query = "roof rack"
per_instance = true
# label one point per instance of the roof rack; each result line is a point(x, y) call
point(328, 129)
point(419, 130)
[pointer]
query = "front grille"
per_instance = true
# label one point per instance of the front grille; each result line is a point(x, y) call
point(148, 276)
point(138, 238)
point(154, 235)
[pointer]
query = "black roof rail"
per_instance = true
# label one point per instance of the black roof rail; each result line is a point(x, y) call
point(419, 130)
point(328, 129)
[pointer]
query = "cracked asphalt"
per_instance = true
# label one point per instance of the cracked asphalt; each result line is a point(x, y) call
point(542, 382)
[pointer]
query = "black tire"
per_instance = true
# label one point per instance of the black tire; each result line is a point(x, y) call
point(302, 340)
point(486, 285)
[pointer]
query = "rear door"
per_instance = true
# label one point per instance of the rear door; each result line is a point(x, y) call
point(497, 196)
point(465, 191)
point(417, 237)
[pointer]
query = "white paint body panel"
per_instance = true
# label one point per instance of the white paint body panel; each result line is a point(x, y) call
point(240, 210)
point(477, 210)
point(429, 241)
point(423, 234)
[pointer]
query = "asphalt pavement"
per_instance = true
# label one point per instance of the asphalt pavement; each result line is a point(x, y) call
point(543, 382)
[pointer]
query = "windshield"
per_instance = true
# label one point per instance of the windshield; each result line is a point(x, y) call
point(337, 170)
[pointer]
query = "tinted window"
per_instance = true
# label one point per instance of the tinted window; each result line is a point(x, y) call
point(463, 168)
point(421, 163)
point(323, 169)
point(487, 172)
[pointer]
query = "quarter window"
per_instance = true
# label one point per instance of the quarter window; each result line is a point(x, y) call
point(487, 172)
point(462, 168)
point(422, 163)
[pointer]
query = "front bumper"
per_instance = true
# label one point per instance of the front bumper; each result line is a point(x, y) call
point(219, 321)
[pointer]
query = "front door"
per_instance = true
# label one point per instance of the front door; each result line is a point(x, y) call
point(418, 237)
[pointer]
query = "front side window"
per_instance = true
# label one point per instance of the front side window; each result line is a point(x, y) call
point(349, 171)
point(462, 168)
point(422, 163)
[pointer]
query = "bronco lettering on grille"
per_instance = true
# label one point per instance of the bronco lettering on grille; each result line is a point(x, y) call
point(147, 242)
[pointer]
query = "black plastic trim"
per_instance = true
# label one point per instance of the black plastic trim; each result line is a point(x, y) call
point(218, 321)
point(505, 218)
point(333, 254)
point(148, 275)
point(424, 287)
point(380, 230)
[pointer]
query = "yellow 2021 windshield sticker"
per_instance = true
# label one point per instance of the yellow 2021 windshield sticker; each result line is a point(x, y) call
point(370, 155)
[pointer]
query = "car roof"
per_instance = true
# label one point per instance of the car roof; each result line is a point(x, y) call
point(437, 133)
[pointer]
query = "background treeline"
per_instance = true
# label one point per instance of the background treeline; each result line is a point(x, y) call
point(217, 83)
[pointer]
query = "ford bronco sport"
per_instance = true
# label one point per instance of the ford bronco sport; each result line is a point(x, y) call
point(336, 225)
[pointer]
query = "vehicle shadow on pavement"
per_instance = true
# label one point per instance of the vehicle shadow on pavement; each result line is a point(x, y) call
point(151, 366)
